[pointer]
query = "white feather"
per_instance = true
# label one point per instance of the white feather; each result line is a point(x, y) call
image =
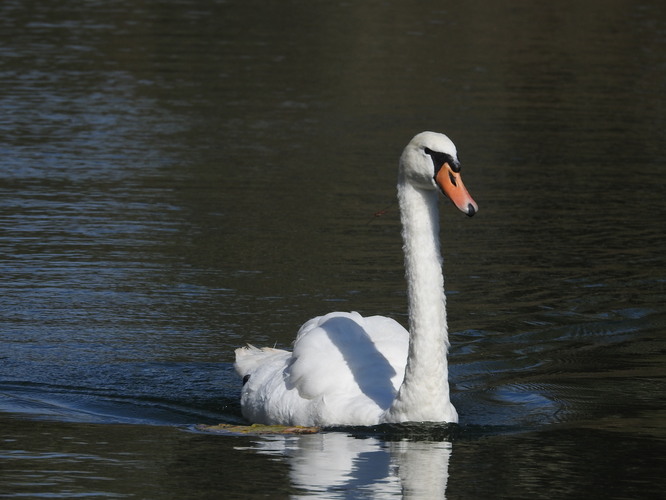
point(349, 370)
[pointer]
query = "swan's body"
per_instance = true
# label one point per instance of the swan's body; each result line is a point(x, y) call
point(349, 370)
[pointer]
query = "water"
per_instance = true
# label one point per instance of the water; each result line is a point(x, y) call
point(181, 178)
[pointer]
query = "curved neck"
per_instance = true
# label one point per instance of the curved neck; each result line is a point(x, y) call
point(424, 393)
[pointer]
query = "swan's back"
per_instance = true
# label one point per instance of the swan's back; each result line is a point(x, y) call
point(344, 369)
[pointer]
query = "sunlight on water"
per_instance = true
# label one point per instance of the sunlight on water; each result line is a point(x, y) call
point(178, 181)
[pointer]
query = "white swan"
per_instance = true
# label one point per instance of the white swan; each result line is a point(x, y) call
point(349, 370)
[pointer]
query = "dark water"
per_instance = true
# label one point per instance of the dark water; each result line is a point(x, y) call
point(180, 178)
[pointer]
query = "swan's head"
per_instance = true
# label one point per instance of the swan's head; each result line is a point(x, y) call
point(430, 161)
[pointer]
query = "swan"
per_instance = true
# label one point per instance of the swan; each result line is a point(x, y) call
point(346, 369)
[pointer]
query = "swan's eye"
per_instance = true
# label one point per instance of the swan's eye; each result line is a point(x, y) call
point(439, 159)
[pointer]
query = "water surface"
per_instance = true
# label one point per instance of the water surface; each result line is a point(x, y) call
point(181, 178)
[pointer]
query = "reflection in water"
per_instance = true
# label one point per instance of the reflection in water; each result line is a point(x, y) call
point(332, 462)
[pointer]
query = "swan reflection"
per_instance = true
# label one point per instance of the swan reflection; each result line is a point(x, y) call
point(335, 463)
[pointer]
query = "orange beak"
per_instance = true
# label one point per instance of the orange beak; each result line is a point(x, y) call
point(452, 186)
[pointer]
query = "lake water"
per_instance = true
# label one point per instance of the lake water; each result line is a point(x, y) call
point(179, 178)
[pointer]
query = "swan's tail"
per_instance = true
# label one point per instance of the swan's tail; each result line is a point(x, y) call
point(249, 358)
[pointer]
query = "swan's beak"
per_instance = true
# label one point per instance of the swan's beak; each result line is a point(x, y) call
point(452, 186)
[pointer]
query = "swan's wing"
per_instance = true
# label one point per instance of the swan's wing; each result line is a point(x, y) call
point(344, 369)
point(392, 340)
point(348, 355)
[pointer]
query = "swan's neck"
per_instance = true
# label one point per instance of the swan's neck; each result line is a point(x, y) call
point(424, 393)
